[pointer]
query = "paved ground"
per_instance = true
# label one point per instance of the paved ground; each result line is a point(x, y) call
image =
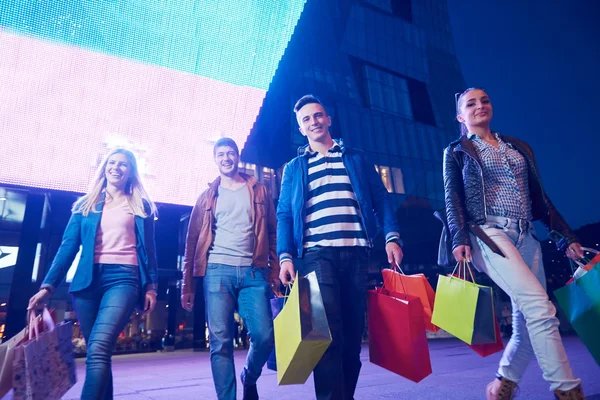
point(458, 373)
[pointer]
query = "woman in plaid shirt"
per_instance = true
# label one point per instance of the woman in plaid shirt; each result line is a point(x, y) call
point(493, 193)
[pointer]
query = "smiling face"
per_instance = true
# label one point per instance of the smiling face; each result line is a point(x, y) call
point(117, 170)
point(314, 122)
point(227, 159)
point(475, 109)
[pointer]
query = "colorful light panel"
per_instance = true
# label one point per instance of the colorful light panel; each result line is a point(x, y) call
point(165, 78)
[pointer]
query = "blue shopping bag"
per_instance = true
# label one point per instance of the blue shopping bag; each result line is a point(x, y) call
point(276, 307)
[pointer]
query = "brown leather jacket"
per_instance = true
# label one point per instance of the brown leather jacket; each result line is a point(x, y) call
point(200, 233)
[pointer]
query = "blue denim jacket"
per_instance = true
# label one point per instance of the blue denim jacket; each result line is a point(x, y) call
point(81, 231)
point(371, 195)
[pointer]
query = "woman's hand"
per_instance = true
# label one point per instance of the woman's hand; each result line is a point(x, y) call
point(38, 299)
point(575, 252)
point(462, 253)
point(150, 301)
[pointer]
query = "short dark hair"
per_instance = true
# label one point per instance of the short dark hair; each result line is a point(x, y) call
point(225, 141)
point(307, 99)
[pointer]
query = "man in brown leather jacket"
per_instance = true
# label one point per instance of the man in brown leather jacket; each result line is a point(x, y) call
point(231, 242)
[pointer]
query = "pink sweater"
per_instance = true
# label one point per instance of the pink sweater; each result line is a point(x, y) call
point(115, 238)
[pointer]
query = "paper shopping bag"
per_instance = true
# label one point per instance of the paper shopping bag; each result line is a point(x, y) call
point(44, 366)
point(413, 285)
point(301, 332)
point(488, 349)
point(7, 355)
point(464, 309)
point(397, 339)
point(276, 307)
point(580, 301)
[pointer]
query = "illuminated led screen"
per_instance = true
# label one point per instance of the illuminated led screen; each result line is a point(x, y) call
point(164, 78)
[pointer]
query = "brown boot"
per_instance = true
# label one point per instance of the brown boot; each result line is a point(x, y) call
point(501, 389)
point(573, 394)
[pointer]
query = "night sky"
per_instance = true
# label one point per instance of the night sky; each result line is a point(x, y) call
point(540, 64)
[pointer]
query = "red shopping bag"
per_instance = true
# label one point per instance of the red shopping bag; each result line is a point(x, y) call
point(397, 340)
point(413, 285)
point(488, 349)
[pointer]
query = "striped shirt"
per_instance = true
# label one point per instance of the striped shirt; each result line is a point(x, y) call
point(506, 179)
point(333, 216)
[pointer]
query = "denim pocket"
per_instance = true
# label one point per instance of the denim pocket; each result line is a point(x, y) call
point(212, 266)
point(260, 273)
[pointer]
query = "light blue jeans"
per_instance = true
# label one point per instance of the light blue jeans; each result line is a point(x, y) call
point(521, 275)
point(103, 311)
point(246, 289)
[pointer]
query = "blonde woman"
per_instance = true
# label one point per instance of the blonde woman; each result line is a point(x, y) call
point(114, 224)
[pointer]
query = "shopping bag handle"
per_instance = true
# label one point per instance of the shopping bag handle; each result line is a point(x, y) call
point(464, 266)
point(395, 266)
point(46, 320)
point(585, 259)
point(590, 250)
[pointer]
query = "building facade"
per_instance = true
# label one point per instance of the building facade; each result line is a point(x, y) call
point(387, 72)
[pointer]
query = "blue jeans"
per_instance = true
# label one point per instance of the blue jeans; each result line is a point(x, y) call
point(103, 310)
point(521, 275)
point(342, 277)
point(246, 289)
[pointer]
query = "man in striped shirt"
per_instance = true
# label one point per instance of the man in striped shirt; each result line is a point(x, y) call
point(330, 200)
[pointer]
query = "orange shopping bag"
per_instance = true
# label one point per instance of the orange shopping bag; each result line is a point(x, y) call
point(413, 285)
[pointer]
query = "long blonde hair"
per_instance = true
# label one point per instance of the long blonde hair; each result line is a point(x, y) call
point(137, 197)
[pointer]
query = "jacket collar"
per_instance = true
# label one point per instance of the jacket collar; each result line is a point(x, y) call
point(250, 180)
point(465, 144)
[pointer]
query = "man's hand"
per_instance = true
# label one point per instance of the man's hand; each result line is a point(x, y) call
point(187, 301)
point(575, 252)
point(287, 273)
point(394, 253)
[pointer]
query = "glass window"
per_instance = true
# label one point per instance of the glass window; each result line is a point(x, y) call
point(247, 168)
point(392, 178)
point(386, 177)
point(366, 131)
point(388, 92)
point(403, 131)
point(384, 5)
point(402, 9)
point(378, 134)
point(392, 136)
point(398, 180)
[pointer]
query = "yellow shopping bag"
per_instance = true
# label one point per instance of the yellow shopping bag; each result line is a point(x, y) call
point(301, 332)
point(464, 309)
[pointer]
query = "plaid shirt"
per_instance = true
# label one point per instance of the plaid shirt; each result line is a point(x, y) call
point(506, 179)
